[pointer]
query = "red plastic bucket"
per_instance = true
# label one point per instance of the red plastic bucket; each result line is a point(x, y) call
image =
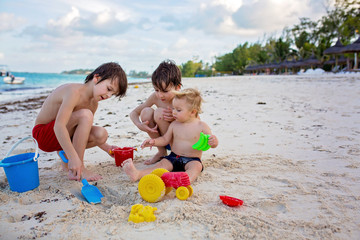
point(121, 154)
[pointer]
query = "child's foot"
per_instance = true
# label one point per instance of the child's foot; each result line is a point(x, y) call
point(88, 175)
point(157, 157)
point(130, 170)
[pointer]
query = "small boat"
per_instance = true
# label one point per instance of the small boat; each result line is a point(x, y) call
point(4, 70)
point(14, 80)
point(8, 77)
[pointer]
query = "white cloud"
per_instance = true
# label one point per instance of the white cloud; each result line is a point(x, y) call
point(181, 43)
point(270, 15)
point(66, 20)
point(230, 5)
point(9, 22)
point(138, 34)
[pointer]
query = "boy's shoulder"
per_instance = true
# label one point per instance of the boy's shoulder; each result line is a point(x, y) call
point(69, 90)
point(153, 99)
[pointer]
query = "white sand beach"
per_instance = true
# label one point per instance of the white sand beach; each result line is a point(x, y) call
point(289, 147)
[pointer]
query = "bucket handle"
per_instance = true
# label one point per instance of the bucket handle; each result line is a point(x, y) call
point(25, 138)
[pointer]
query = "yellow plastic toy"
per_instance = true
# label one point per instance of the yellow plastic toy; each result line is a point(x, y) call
point(140, 213)
point(154, 186)
point(202, 143)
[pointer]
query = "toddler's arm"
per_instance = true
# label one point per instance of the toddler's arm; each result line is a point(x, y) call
point(213, 141)
point(160, 141)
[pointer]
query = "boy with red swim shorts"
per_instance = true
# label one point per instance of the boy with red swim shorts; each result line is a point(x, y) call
point(65, 121)
point(46, 138)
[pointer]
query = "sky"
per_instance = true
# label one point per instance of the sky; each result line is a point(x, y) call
point(58, 35)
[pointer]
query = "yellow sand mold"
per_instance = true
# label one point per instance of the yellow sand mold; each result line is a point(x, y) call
point(140, 213)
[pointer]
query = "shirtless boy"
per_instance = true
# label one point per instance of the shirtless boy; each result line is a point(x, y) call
point(165, 79)
point(183, 133)
point(65, 121)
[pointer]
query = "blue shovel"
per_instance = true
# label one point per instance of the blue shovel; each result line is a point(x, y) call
point(91, 193)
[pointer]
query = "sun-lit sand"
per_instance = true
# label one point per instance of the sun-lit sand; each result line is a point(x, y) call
point(289, 147)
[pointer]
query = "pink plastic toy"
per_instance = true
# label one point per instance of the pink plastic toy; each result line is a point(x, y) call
point(176, 179)
point(121, 154)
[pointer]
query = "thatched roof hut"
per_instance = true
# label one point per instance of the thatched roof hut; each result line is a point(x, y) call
point(336, 49)
point(312, 61)
point(340, 60)
point(354, 47)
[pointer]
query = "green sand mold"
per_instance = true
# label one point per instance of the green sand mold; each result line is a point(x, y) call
point(202, 144)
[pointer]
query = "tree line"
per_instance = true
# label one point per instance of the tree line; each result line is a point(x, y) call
point(307, 38)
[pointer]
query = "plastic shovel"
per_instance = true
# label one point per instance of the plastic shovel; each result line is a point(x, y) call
point(62, 155)
point(91, 193)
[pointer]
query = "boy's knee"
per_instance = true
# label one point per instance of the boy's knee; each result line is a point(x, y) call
point(100, 135)
point(147, 114)
point(85, 115)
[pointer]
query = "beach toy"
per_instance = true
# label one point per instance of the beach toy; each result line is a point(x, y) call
point(62, 156)
point(202, 143)
point(140, 213)
point(22, 170)
point(91, 193)
point(230, 201)
point(121, 154)
point(154, 186)
point(136, 86)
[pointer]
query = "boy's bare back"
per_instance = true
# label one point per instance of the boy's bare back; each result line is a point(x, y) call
point(70, 97)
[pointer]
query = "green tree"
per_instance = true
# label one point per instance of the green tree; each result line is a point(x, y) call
point(190, 68)
point(282, 49)
point(240, 58)
point(224, 63)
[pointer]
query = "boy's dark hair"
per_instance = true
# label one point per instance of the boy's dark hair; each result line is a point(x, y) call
point(112, 71)
point(168, 73)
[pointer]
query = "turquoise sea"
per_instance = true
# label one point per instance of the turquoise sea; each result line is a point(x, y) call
point(36, 83)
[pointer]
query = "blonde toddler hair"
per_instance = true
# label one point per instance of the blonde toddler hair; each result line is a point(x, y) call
point(192, 96)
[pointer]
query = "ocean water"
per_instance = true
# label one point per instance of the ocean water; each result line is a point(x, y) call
point(36, 83)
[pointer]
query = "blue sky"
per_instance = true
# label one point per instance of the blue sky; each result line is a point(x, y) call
point(57, 35)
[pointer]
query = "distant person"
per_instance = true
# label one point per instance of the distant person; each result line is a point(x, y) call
point(183, 133)
point(66, 118)
point(165, 79)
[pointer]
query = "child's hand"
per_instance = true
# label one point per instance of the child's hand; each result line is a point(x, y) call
point(148, 143)
point(75, 168)
point(110, 151)
point(213, 141)
point(145, 127)
point(167, 115)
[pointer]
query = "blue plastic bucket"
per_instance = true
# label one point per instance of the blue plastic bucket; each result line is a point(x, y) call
point(22, 170)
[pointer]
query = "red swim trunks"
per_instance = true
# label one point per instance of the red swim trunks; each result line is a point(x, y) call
point(46, 138)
